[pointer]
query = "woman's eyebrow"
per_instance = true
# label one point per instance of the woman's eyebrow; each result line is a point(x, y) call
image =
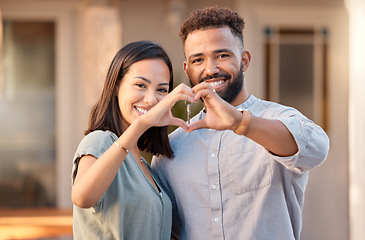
point(145, 79)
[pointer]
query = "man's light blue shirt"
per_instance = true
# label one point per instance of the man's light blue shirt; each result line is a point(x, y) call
point(226, 186)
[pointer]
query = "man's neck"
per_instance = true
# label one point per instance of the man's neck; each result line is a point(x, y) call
point(241, 97)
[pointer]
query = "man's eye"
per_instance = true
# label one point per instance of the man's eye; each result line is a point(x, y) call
point(223, 55)
point(198, 60)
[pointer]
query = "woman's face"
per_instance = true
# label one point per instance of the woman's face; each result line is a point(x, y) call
point(144, 85)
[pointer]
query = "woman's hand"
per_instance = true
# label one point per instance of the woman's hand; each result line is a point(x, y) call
point(160, 114)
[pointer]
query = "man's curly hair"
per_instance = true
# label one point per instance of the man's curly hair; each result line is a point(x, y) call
point(212, 17)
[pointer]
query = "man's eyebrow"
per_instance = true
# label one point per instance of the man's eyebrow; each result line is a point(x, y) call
point(222, 50)
point(195, 55)
point(215, 52)
point(146, 80)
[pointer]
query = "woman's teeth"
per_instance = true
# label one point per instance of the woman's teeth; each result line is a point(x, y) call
point(143, 111)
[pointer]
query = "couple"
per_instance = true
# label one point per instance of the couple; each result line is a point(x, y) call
point(238, 171)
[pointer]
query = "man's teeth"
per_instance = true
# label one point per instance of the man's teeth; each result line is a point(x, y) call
point(217, 83)
point(143, 111)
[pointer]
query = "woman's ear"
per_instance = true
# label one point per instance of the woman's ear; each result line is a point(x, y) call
point(246, 58)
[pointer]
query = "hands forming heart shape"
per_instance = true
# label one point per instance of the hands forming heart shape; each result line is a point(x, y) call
point(220, 114)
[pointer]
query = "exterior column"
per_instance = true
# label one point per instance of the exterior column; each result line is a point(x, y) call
point(101, 40)
point(356, 10)
point(87, 42)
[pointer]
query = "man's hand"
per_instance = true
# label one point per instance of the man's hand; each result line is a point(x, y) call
point(220, 114)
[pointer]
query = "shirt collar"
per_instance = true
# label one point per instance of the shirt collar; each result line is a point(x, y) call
point(246, 104)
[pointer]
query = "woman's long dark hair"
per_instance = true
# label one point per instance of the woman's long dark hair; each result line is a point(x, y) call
point(106, 114)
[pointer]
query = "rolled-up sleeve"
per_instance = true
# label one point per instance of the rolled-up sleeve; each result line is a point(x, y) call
point(312, 141)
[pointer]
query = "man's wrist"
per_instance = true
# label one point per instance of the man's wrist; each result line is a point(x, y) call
point(245, 122)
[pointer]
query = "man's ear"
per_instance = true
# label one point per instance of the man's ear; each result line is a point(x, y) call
point(185, 66)
point(246, 58)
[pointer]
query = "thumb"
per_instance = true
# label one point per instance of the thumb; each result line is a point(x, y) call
point(179, 122)
point(197, 125)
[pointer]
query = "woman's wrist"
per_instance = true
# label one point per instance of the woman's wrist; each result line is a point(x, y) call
point(131, 135)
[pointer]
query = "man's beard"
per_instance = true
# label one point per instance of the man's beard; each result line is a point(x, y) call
point(233, 88)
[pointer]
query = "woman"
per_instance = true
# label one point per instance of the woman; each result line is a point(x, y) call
point(115, 195)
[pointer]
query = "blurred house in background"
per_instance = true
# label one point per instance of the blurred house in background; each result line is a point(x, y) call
point(55, 55)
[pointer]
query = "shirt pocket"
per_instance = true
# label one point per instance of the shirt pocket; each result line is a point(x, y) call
point(247, 169)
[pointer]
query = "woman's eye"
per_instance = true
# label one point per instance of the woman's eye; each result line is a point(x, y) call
point(140, 85)
point(163, 90)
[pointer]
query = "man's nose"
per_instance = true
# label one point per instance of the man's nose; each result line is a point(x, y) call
point(211, 67)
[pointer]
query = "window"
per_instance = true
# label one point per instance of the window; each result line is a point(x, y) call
point(296, 65)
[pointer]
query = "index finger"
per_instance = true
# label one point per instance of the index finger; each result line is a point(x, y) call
point(200, 86)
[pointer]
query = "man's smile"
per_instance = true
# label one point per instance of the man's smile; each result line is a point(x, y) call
point(216, 84)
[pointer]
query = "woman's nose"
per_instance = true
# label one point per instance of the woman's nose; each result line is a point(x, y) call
point(151, 98)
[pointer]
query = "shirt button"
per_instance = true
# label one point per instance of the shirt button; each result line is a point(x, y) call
point(212, 155)
point(214, 187)
point(216, 220)
point(297, 170)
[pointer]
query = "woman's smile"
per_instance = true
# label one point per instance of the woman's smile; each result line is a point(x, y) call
point(141, 110)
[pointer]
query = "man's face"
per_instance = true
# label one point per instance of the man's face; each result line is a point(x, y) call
point(216, 57)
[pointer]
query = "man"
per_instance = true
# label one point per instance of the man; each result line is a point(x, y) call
point(242, 175)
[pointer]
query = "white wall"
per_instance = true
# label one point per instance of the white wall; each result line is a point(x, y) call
point(356, 9)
